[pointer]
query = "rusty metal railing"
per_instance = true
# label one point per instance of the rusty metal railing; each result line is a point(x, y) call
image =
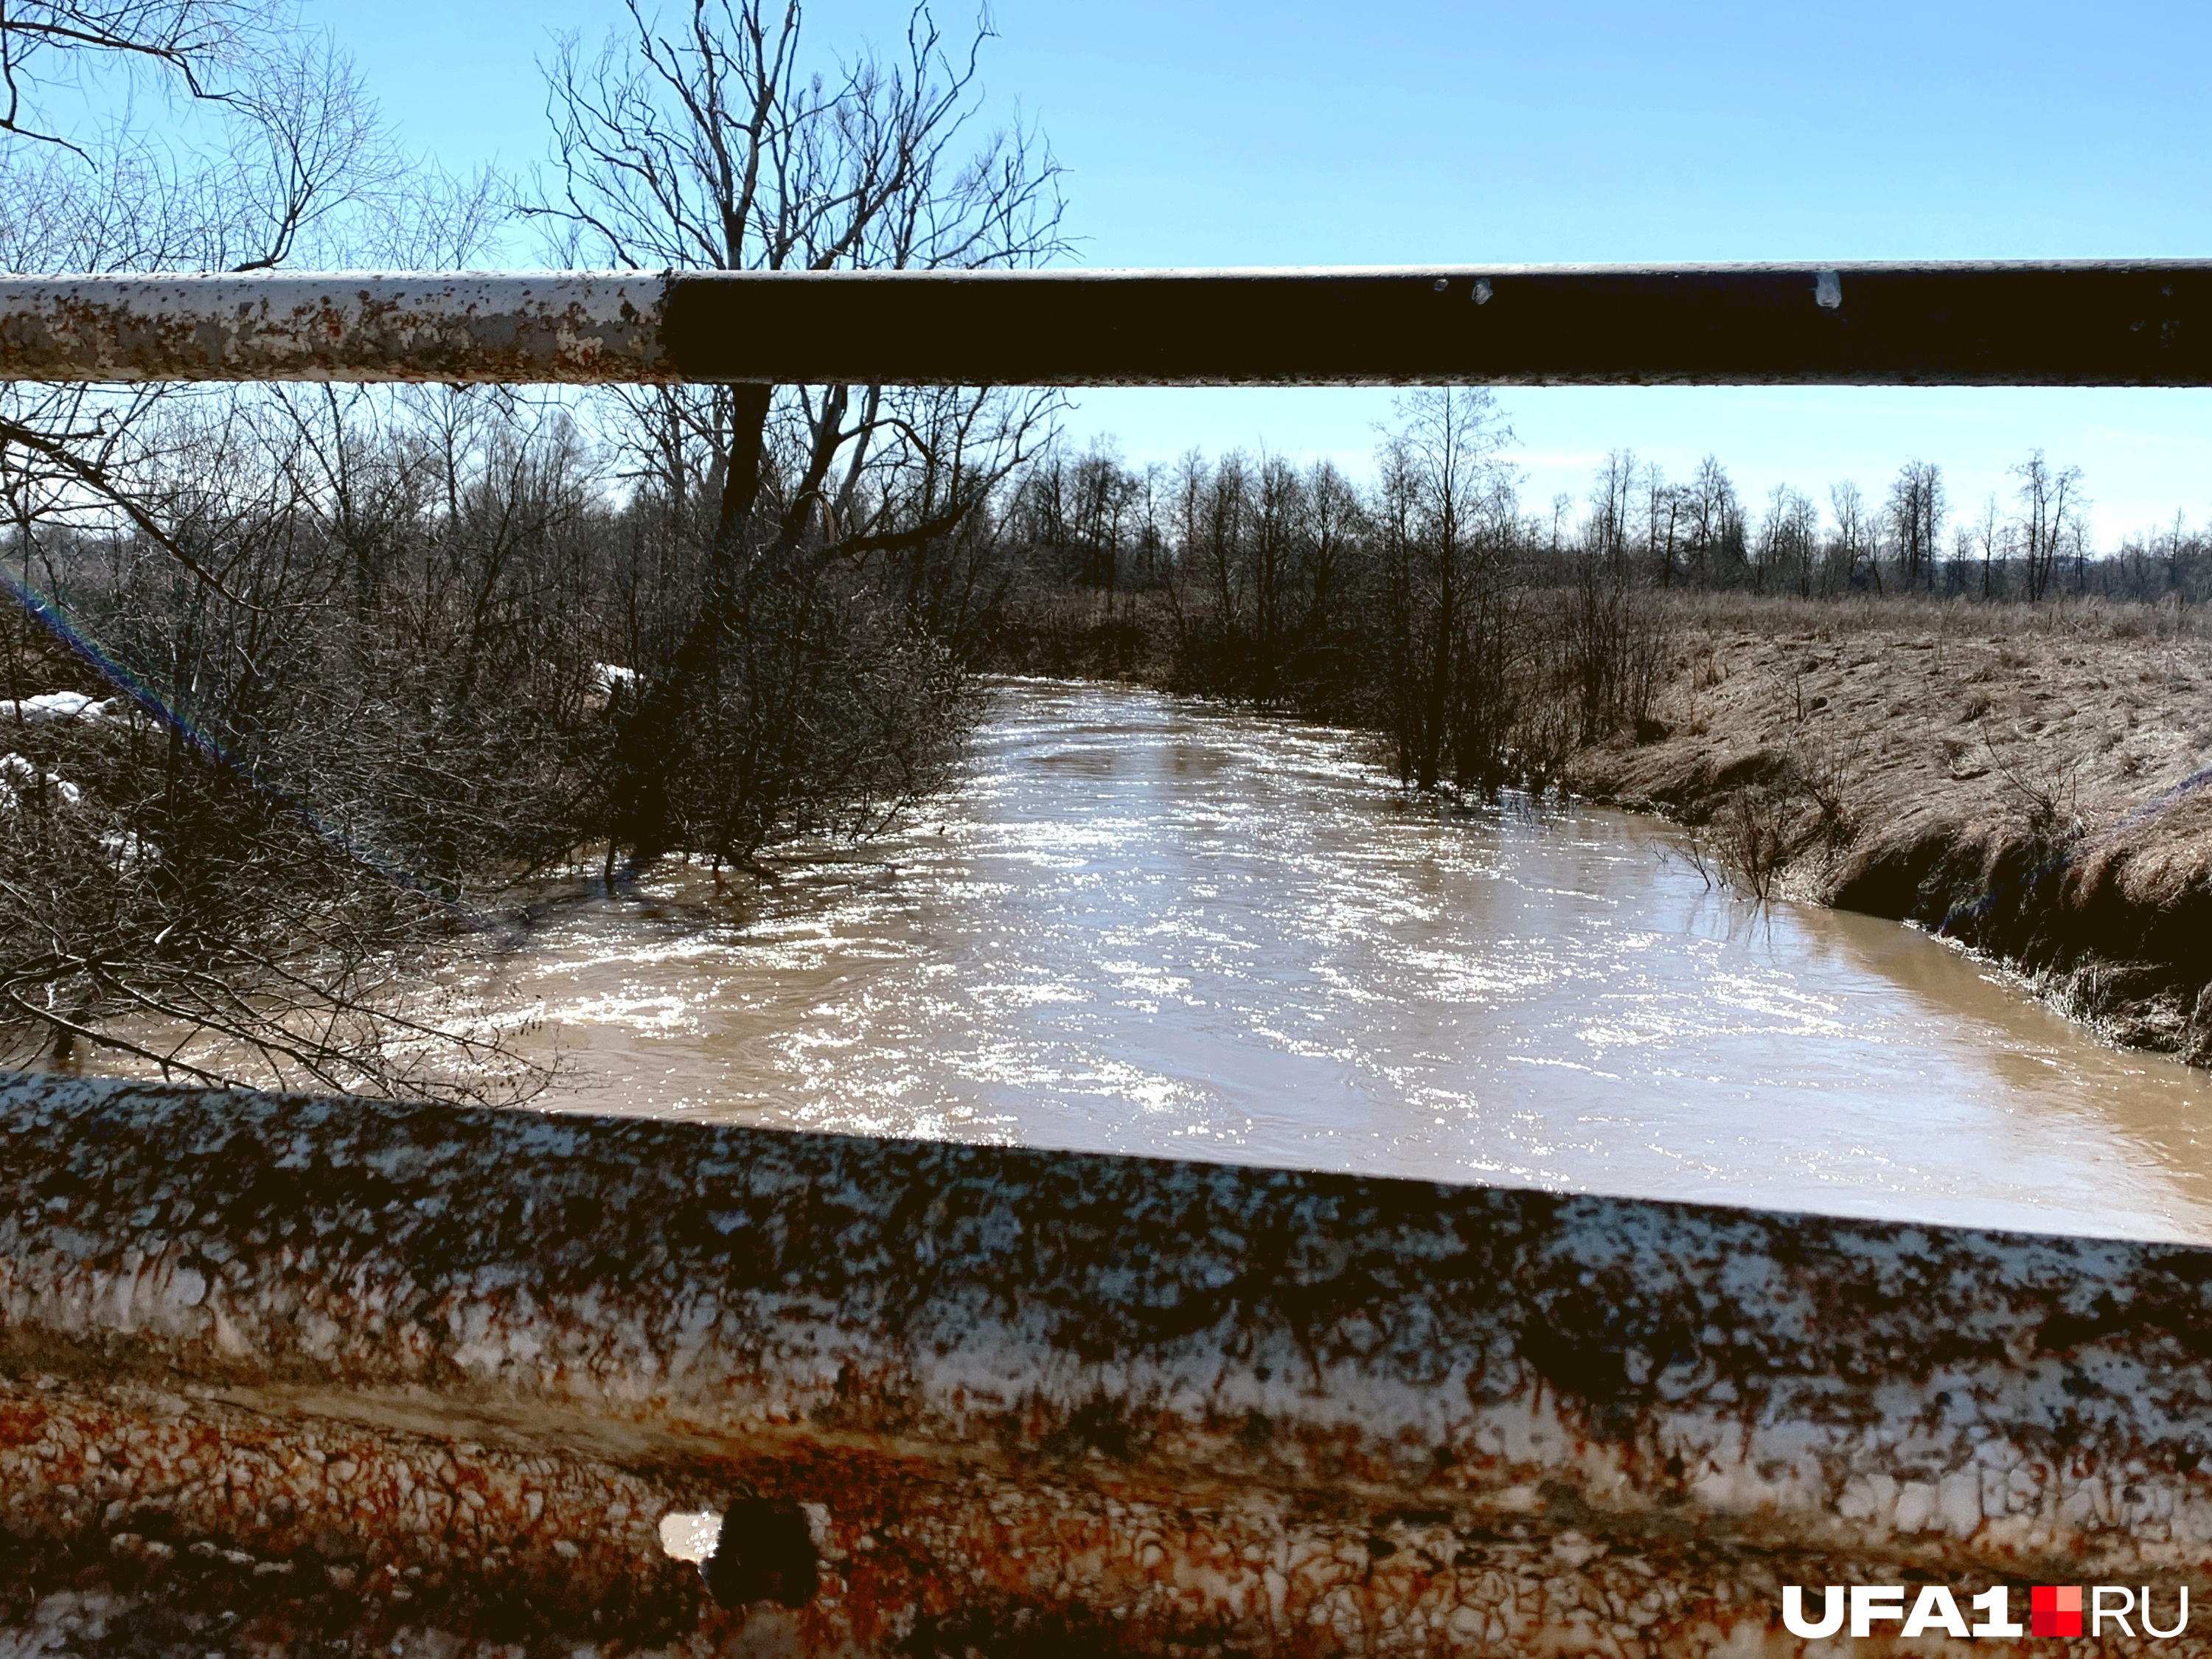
point(2111, 323)
point(346, 1366)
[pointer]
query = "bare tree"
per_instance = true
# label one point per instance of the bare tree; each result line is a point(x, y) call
point(1664, 510)
point(2049, 521)
point(311, 761)
point(1916, 512)
point(1788, 535)
point(1856, 539)
point(1334, 522)
point(1449, 519)
point(1226, 506)
point(195, 45)
point(2178, 551)
point(702, 139)
point(1278, 516)
point(700, 144)
point(1613, 506)
point(298, 160)
point(221, 878)
point(1989, 538)
point(1608, 650)
point(1104, 495)
point(1716, 523)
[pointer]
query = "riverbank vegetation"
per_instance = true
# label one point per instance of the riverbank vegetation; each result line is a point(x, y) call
point(1992, 730)
point(363, 667)
point(303, 682)
point(1486, 648)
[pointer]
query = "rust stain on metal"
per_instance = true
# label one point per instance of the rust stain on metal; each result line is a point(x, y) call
point(450, 327)
point(382, 1372)
point(2078, 323)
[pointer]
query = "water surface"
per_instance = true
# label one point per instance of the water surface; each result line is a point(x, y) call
point(1149, 926)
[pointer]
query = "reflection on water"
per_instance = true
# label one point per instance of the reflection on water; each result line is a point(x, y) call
point(1148, 926)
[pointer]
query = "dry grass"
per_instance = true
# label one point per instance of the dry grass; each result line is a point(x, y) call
point(1896, 714)
point(2087, 618)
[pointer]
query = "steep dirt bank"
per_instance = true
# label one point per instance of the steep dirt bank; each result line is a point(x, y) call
point(2028, 783)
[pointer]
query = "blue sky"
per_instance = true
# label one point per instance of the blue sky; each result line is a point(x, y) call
point(1301, 133)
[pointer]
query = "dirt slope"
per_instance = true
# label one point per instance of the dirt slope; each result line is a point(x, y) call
point(2031, 784)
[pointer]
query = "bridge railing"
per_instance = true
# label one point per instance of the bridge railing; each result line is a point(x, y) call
point(2133, 323)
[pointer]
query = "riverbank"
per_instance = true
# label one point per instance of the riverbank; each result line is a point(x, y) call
point(2025, 782)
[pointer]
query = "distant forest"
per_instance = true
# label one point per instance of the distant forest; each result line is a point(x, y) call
point(1102, 523)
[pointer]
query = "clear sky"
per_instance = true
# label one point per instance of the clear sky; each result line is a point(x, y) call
point(1298, 133)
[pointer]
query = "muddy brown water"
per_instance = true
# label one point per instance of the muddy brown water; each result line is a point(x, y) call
point(1150, 926)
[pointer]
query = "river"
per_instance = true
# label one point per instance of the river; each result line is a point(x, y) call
point(1144, 924)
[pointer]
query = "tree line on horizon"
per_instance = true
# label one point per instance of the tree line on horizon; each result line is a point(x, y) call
point(1487, 643)
point(1102, 523)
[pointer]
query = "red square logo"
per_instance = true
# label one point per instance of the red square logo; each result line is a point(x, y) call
point(2054, 1610)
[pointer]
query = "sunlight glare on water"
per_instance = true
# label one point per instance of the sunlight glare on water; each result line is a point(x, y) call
point(1149, 926)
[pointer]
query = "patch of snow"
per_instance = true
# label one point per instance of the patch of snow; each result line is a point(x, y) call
point(126, 849)
point(53, 706)
point(17, 774)
point(608, 678)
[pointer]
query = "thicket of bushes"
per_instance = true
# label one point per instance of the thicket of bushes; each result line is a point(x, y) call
point(374, 659)
point(423, 651)
point(1486, 646)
